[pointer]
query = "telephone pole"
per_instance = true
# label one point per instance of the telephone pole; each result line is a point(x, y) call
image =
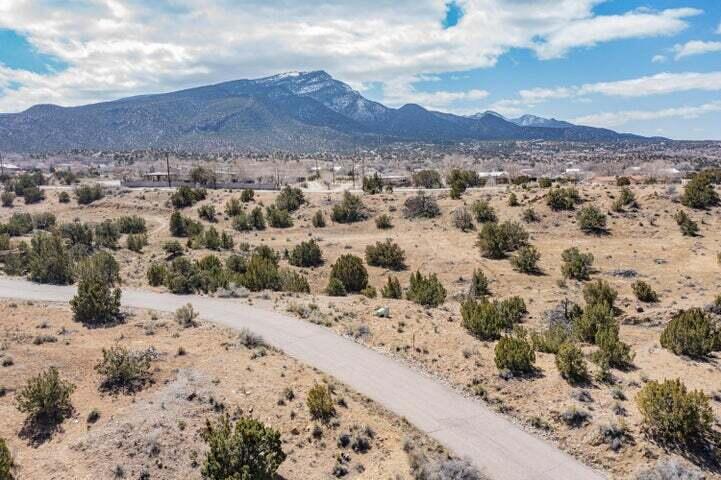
point(167, 168)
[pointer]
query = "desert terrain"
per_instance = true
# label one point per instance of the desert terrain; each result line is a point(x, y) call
point(640, 244)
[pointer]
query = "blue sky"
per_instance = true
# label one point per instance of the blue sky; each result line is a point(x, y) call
point(651, 67)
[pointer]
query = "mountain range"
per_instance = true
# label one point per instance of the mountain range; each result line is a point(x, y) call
point(297, 111)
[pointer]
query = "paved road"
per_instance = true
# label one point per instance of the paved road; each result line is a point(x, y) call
point(463, 425)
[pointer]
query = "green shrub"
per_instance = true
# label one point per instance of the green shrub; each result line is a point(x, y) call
point(247, 195)
point(626, 198)
point(386, 254)
point(181, 226)
point(562, 198)
point(129, 224)
point(207, 212)
point(512, 310)
point(590, 322)
point(278, 218)
point(185, 197)
point(173, 248)
point(514, 353)
point(551, 339)
point(383, 222)
point(369, 292)
point(64, 197)
point(7, 199)
point(392, 289)
point(95, 303)
point(427, 179)
point(544, 182)
point(483, 211)
point(123, 370)
point(226, 241)
point(5, 242)
point(623, 181)
point(44, 220)
point(290, 199)
point(241, 223)
point(479, 285)
point(261, 274)
point(233, 207)
point(245, 450)
point(495, 240)
point(673, 414)
point(526, 259)
point(512, 200)
point(19, 224)
point(462, 219)
point(210, 239)
point(335, 288)
point(457, 189)
point(644, 292)
point(290, 281)
point(373, 184)
point(33, 195)
point(236, 264)
point(688, 227)
point(591, 220)
point(426, 290)
point(107, 234)
point(7, 465)
point(49, 261)
point(45, 398)
point(575, 264)
point(318, 219)
point(306, 254)
point(136, 242)
point(78, 234)
point(349, 210)
point(692, 333)
point(462, 178)
point(351, 272)
point(320, 402)
point(421, 205)
point(699, 193)
point(529, 215)
point(203, 175)
point(157, 272)
point(256, 219)
point(87, 194)
point(483, 319)
point(599, 292)
point(612, 352)
point(570, 363)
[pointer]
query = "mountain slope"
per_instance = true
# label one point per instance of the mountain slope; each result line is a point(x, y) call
point(294, 112)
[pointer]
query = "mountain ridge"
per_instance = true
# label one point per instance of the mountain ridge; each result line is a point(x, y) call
point(294, 111)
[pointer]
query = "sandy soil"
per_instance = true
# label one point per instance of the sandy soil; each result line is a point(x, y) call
point(158, 429)
point(685, 272)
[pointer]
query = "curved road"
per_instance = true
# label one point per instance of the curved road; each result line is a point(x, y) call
point(465, 426)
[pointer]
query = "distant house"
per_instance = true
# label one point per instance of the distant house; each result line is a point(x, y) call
point(160, 176)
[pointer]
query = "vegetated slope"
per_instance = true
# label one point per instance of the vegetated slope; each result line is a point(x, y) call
point(294, 112)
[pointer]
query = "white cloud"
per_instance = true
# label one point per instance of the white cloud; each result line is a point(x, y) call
point(659, 59)
point(116, 48)
point(615, 119)
point(659, 84)
point(695, 47)
point(718, 30)
point(591, 31)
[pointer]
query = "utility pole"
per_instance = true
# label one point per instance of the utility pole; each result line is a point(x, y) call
point(167, 168)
